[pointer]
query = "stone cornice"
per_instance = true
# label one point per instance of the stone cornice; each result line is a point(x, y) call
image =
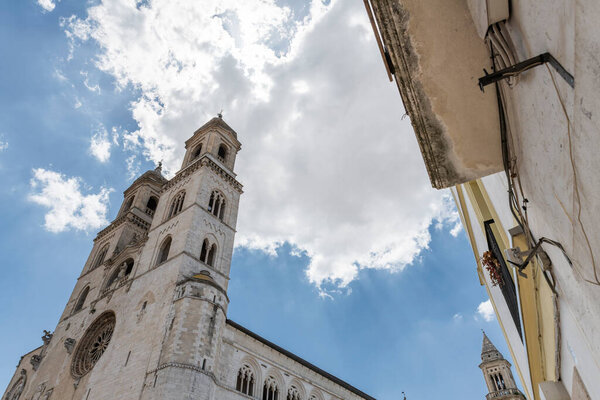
point(204, 161)
point(128, 217)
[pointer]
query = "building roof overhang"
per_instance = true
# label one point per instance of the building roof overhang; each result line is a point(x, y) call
point(437, 57)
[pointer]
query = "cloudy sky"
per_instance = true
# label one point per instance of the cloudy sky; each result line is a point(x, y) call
point(345, 252)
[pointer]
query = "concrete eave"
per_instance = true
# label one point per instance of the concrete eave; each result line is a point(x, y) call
point(437, 57)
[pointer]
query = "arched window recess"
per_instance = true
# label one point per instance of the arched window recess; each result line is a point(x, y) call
point(119, 275)
point(208, 253)
point(245, 380)
point(216, 204)
point(293, 393)
point(151, 205)
point(128, 204)
point(100, 256)
point(197, 152)
point(81, 300)
point(222, 153)
point(270, 389)
point(163, 253)
point(176, 204)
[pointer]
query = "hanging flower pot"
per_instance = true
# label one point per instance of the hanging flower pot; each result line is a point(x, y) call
point(491, 263)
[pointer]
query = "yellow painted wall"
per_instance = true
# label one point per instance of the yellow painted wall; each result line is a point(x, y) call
point(535, 295)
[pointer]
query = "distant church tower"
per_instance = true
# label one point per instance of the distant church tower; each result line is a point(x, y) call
point(147, 319)
point(497, 374)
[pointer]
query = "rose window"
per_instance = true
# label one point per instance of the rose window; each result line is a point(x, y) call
point(93, 344)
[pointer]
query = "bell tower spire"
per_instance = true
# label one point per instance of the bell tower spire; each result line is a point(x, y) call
point(497, 374)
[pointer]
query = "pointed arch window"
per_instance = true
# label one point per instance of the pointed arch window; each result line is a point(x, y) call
point(204, 251)
point(270, 389)
point(81, 299)
point(245, 380)
point(210, 259)
point(17, 389)
point(100, 256)
point(216, 204)
point(177, 204)
point(293, 393)
point(163, 253)
point(208, 253)
point(222, 153)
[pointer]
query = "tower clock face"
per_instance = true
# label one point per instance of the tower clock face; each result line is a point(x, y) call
point(93, 344)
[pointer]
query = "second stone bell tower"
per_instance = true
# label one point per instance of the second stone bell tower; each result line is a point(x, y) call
point(497, 373)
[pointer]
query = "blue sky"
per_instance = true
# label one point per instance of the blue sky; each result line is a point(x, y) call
point(345, 255)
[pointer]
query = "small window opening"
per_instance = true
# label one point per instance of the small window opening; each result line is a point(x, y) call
point(501, 380)
point(211, 255)
point(204, 251)
point(197, 151)
point(100, 256)
point(151, 205)
point(163, 254)
point(222, 152)
point(128, 266)
point(204, 364)
point(144, 305)
point(81, 300)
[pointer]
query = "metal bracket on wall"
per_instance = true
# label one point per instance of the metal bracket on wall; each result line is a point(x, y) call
point(524, 66)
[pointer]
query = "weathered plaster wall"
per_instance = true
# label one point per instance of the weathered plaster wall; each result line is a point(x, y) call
point(548, 150)
point(438, 57)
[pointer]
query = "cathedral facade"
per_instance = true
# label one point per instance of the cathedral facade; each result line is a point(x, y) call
point(147, 318)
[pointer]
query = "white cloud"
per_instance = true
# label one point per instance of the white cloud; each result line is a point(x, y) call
point(60, 75)
point(100, 144)
point(3, 145)
point(86, 82)
point(133, 167)
point(69, 208)
point(47, 5)
point(328, 165)
point(486, 311)
point(456, 229)
point(300, 87)
point(458, 317)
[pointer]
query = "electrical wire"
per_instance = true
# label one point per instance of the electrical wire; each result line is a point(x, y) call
point(512, 198)
point(575, 182)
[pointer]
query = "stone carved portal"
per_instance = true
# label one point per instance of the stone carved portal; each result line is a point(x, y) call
point(93, 344)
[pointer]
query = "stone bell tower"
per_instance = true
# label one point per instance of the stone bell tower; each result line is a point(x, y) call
point(497, 374)
point(206, 194)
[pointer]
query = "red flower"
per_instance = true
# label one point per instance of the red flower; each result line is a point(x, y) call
point(493, 267)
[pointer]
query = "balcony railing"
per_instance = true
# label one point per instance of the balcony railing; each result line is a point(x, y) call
point(503, 392)
point(150, 211)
